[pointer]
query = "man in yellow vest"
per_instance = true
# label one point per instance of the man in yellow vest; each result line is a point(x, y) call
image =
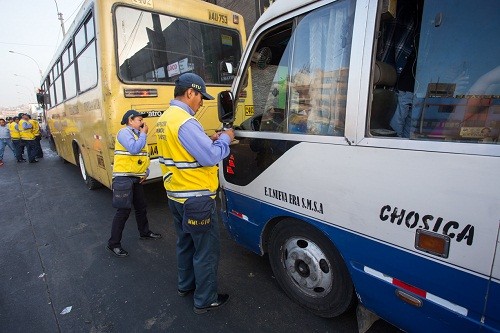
point(27, 137)
point(189, 158)
point(130, 167)
point(15, 135)
point(38, 137)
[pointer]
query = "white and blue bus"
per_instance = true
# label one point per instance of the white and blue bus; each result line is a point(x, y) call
point(371, 167)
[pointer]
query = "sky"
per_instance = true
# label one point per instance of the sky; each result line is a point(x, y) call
point(30, 28)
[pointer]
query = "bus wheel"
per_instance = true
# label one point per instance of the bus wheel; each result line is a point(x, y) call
point(310, 269)
point(91, 183)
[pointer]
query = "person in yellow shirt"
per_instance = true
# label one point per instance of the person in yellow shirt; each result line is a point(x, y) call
point(38, 137)
point(15, 135)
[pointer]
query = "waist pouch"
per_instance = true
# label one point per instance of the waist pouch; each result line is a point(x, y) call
point(123, 193)
point(197, 214)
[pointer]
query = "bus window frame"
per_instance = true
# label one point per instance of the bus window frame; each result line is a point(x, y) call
point(88, 16)
point(115, 42)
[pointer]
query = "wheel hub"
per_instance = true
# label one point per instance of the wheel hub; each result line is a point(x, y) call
point(302, 268)
point(307, 266)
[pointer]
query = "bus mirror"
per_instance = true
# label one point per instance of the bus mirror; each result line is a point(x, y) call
point(226, 108)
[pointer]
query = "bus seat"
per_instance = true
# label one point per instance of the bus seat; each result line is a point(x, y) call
point(384, 101)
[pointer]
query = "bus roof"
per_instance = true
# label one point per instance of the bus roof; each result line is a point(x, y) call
point(279, 8)
point(84, 9)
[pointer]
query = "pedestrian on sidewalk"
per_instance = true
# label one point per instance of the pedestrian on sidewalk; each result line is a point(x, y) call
point(130, 169)
point(5, 140)
point(188, 159)
point(15, 136)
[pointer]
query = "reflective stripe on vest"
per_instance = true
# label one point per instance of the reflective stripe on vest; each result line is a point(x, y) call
point(189, 194)
point(179, 165)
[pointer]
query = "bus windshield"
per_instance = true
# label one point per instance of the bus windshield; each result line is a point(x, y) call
point(157, 48)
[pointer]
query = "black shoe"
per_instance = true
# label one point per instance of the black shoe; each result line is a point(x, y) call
point(151, 235)
point(221, 300)
point(184, 293)
point(118, 251)
point(34, 161)
point(21, 161)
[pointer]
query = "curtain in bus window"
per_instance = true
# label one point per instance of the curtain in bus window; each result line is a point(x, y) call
point(320, 68)
point(158, 48)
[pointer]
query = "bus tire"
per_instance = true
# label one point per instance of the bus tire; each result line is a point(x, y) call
point(310, 269)
point(91, 183)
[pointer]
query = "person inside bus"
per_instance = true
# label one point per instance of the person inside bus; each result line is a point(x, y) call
point(189, 161)
point(399, 43)
point(130, 167)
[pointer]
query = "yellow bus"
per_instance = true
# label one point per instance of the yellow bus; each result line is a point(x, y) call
point(121, 55)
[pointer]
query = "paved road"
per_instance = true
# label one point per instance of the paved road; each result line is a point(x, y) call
point(53, 256)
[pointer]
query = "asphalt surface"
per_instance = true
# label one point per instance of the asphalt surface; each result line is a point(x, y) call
point(53, 260)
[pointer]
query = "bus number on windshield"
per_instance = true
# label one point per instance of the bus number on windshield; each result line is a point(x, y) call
point(147, 3)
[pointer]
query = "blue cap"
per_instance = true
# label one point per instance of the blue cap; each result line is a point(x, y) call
point(132, 114)
point(191, 80)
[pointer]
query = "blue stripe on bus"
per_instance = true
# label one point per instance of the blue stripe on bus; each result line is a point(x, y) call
point(454, 285)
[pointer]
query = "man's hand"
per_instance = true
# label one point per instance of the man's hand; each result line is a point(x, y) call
point(215, 136)
point(230, 133)
point(144, 128)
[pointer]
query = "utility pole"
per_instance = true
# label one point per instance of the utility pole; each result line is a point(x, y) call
point(60, 18)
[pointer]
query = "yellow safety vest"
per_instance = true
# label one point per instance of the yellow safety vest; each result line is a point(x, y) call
point(183, 176)
point(36, 127)
point(14, 133)
point(26, 134)
point(127, 164)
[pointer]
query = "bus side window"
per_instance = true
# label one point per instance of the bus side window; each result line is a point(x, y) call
point(301, 87)
point(458, 75)
point(269, 70)
point(448, 73)
point(320, 71)
point(397, 48)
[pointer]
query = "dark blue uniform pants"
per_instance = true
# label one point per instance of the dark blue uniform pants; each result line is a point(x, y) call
point(31, 148)
point(197, 258)
point(122, 214)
